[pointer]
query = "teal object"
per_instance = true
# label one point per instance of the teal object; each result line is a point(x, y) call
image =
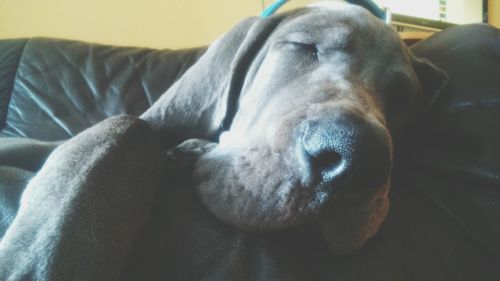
point(367, 4)
point(372, 7)
point(273, 8)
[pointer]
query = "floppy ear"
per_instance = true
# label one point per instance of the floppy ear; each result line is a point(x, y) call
point(204, 100)
point(432, 79)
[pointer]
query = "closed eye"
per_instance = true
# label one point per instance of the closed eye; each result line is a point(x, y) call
point(310, 48)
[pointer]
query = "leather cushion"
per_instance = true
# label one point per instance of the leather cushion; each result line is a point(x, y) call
point(10, 56)
point(461, 132)
point(456, 148)
point(63, 87)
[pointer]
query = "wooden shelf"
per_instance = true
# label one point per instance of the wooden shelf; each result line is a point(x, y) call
point(412, 37)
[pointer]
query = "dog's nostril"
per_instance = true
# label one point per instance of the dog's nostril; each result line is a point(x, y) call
point(326, 160)
point(326, 164)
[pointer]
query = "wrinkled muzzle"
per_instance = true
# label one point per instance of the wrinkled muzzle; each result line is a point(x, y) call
point(344, 152)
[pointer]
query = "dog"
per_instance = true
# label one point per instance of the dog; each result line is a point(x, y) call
point(289, 123)
point(311, 135)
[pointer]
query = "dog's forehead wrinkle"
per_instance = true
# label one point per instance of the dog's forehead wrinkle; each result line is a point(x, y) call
point(319, 29)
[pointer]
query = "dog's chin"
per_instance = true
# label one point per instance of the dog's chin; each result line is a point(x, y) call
point(346, 227)
point(255, 189)
point(258, 190)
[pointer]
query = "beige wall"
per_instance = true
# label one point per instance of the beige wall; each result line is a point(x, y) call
point(149, 23)
point(152, 23)
point(494, 12)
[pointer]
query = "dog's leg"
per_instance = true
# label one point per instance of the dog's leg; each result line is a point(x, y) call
point(79, 215)
point(20, 158)
point(12, 183)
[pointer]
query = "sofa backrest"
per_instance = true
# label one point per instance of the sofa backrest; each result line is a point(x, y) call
point(455, 150)
point(51, 89)
point(462, 130)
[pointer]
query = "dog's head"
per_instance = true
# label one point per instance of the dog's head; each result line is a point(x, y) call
point(319, 93)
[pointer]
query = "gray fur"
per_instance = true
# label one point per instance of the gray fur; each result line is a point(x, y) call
point(308, 79)
point(79, 214)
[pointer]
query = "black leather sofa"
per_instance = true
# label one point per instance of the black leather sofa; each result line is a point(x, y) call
point(449, 161)
point(52, 89)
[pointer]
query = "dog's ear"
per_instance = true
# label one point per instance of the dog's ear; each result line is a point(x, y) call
point(432, 79)
point(204, 99)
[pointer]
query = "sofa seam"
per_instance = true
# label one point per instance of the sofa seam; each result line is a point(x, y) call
point(17, 67)
point(11, 92)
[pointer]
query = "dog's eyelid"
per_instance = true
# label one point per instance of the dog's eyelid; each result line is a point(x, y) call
point(308, 45)
point(300, 38)
point(302, 45)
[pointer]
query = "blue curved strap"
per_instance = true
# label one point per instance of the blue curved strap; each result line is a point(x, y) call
point(367, 4)
point(372, 7)
point(272, 8)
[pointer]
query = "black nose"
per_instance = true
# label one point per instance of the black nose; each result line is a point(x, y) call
point(322, 157)
point(345, 149)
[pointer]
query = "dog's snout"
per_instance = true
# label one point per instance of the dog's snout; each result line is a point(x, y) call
point(345, 149)
point(322, 153)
